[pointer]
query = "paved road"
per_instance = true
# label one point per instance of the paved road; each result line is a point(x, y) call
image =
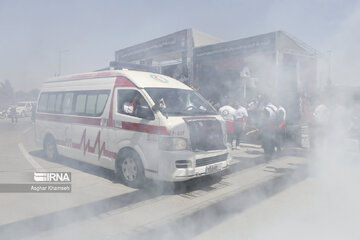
point(311, 209)
point(98, 208)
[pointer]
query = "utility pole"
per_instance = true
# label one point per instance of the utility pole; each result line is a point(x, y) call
point(245, 76)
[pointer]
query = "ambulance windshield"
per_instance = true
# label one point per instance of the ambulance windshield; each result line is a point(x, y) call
point(181, 102)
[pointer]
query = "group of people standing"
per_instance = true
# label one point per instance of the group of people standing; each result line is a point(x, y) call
point(268, 119)
point(329, 123)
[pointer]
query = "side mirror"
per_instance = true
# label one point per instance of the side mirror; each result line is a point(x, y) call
point(159, 106)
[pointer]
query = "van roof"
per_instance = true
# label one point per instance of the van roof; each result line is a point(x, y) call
point(139, 78)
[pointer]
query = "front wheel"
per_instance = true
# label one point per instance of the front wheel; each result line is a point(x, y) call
point(50, 149)
point(130, 169)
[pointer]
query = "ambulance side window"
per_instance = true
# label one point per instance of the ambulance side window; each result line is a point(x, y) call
point(80, 103)
point(43, 102)
point(91, 104)
point(101, 102)
point(59, 97)
point(51, 102)
point(68, 102)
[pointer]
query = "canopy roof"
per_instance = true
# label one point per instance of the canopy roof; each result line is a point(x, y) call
point(269, 42)
point(169, 47)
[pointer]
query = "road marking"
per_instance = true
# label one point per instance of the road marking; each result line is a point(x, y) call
point(28, 130)
point(30, 159)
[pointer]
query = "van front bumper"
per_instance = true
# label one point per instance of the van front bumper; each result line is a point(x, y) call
point(185, 165)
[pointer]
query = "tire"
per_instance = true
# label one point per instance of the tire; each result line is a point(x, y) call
point(50, 149)
point(129, 168)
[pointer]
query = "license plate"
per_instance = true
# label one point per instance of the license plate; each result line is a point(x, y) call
point(211, 169)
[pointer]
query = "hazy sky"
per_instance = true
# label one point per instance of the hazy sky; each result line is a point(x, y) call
point(32, 32)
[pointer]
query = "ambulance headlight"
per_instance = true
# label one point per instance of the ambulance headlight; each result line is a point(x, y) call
point(173, 143)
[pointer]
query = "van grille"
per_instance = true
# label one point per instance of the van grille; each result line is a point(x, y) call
point(206, 135)
point(211, 160)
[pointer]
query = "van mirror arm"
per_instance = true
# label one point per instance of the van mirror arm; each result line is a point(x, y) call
point(160, 106)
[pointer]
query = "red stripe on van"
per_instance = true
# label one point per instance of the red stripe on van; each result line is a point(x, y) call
point(123, 82)
point(139, 127)
point(68, 119)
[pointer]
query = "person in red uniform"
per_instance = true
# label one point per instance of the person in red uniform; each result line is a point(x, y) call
point(228, 114)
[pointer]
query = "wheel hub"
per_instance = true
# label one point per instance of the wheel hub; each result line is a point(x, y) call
point(129, 169)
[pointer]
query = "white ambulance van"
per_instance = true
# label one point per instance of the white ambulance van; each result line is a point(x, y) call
point(139, 124)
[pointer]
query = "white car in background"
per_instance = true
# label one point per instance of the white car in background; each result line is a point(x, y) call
point(23, 109)
point(3, 114)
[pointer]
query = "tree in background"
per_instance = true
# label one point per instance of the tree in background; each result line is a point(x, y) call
point(8, 96)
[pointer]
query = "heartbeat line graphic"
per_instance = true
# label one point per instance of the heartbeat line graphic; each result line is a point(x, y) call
point(91, 149)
